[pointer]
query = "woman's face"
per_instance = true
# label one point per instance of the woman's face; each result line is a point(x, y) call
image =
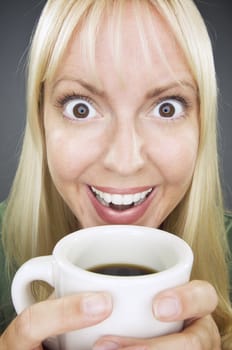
point(123, 150)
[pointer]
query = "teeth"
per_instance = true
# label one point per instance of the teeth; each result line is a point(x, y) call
point(120, 199)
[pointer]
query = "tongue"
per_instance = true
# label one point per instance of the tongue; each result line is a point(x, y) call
point(121, 206)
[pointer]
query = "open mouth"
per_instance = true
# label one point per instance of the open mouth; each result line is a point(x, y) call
point(118, 201)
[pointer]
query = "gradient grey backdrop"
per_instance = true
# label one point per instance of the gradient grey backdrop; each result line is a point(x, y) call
point(17, 20)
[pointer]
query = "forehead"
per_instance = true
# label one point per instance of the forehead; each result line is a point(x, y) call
point(137, 39)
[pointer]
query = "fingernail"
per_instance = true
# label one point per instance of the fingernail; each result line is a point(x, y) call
point(96, 304)
point(167, 308)
point(106, 345)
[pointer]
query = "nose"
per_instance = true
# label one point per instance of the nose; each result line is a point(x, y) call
point(125, 150)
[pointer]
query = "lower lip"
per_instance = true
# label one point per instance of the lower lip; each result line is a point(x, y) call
point(128, 216)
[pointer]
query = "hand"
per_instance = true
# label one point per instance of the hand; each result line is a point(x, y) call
point(193, 302)
point(53, 317)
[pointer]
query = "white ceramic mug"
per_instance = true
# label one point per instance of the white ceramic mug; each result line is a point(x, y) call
point(67, 271)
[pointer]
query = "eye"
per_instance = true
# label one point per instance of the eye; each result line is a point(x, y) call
point(79, 109)
point(170, 108)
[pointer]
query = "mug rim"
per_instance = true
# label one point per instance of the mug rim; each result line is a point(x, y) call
point(184, 263)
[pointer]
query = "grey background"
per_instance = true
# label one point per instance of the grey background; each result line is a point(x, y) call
point(17, 20)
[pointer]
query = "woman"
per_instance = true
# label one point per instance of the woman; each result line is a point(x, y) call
point(121, 129)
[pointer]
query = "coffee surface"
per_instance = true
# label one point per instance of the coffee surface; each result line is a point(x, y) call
point(122, 270)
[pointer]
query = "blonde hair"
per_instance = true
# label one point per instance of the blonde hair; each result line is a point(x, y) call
point(37, 217)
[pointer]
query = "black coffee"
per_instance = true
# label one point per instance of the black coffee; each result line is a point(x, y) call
point(122, 270)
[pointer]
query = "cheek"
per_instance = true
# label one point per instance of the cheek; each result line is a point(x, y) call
point(69, 155)
point(175, 157)
point(179, 162)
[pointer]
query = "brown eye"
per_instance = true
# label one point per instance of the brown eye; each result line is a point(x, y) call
point(79, 109)
point(166, 110)
point(169, 109)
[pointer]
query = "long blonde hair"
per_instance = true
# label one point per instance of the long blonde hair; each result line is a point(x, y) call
point(36, 216)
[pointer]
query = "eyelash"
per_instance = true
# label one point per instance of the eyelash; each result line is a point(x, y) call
point(62, 100)
point(183, 100)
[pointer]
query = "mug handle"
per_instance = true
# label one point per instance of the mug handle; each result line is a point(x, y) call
point(35, 269)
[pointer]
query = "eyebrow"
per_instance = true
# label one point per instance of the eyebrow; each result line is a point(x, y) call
point(150, 94)
point(94, 90)
point(176, 84)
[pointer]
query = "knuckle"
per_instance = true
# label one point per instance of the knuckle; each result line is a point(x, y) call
point(200, 291)
point(23, 323)
point(215, 335)
point(66, 318)
point(191, 341)
point(3, 340)
point(204, 334)
point(212, 292)
point(67, 313)
point(24, 326)
point(62, 313)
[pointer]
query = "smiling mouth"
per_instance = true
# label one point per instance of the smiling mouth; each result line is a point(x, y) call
point(120, 202)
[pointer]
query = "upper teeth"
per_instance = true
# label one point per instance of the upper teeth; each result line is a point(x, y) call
point(120, 199)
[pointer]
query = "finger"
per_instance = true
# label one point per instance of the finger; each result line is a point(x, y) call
point(190, 301)
point(204, 334)
point(201, 335)
point(174, 341)
point(54, 317)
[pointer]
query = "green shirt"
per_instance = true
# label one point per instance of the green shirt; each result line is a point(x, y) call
point(7, 312)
